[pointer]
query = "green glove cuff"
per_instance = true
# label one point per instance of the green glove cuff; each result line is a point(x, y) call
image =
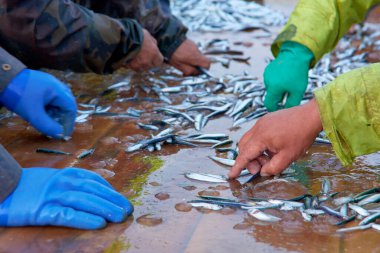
point(297, 50)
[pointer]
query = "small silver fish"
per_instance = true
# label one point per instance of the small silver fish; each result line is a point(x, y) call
point(359, 210)
point(370, 199)
point(207, 206)
point(206, 177)
point(343, 230)
point(223, 161)
point(262, 216)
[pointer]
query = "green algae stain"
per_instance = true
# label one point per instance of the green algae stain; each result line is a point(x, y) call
point(118, 246)
point(136, 185)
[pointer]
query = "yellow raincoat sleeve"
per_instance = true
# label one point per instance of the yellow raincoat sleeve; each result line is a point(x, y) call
point(350, 111)
point(319, 24)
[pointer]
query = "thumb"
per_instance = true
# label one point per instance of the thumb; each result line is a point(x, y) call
point(272, 99)
point(294, 99)
point(46, 125)
point(276, 165)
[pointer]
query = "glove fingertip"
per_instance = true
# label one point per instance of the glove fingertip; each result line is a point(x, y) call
point(129, 208)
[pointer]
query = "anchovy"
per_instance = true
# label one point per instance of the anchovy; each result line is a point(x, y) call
point(205, 141)
point(207, 206)
point(118, 85)
point(314, 211)
point(251, 178)
point(180, 141)
point(370, 191)
point(206, 177)
point(165, 132)
point(51, 151)
point(222, 143)
point(86, 153)
point(220, 203)
point(307, 217)
point(82, 118)
point(262, 216)
point(148, 127)
point(370, 218)
point(148, 142)
point(175, 112)
point(217, 198)
point(342, 200)
point(133, 112)
point(344, 210)
point(330, 211)
point(326, 186)
point(376, 226)
point(223, 161)
point(361, 227)
point(322, 141)
point(370, 199)
point(241, 106)
point(100, 109)
point(209, 136)
point(174, 89)
point(359, 210)
point(199, 122)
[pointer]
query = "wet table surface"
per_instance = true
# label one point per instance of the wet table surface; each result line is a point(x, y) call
point(156, 184)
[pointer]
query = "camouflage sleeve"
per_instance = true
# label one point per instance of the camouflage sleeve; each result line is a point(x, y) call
point(9, 68)
point(154, 15)
point(61, 34)
point(10, 173)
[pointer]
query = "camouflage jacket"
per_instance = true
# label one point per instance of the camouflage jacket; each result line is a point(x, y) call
point(10, 173)
point(82, 35)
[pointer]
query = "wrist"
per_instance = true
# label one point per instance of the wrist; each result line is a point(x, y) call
point(12, 93)
point(314, 117)
point(297, 51)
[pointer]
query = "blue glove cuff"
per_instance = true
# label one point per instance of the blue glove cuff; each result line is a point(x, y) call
point(12, 93)
point(4, 210)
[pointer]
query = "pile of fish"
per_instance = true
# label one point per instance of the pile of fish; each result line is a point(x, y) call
point(361, 207)
point(205, 97)
point(351, 52)
point(226, 15)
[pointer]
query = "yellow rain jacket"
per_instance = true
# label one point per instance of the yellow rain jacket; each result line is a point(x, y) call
point(349, 105)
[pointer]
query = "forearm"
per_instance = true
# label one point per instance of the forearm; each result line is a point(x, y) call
point(10, 173)
point(9, 68)
point(350, 112)
point(319, 25)
point(63, 35)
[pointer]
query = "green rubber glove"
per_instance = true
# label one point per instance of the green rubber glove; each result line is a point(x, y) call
point(287, 74)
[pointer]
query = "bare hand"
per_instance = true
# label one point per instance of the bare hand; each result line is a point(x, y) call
point(187, 57)
point(283, 135)
point(149, 55)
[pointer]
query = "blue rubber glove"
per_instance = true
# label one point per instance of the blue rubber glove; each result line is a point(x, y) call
point(68, 197)
point(42, 100)
point(287, 74)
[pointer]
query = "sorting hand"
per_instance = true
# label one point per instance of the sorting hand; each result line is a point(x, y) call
point(187, 57)
point(42, 100)
point(149, 55)
point(68, 197)
point(278, 139)
point(287, 74)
